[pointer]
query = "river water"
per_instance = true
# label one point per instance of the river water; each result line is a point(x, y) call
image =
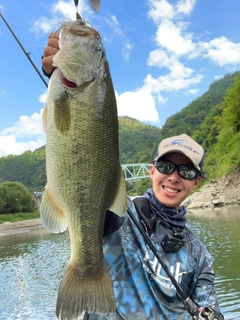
point(31, 266)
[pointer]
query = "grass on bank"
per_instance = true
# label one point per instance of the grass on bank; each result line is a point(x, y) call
point(20, 216)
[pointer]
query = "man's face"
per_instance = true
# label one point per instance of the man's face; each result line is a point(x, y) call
point(171, 189)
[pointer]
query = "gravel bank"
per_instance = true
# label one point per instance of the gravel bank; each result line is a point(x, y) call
point(15, 228)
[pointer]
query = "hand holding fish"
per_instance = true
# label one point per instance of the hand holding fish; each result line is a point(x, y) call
point(49, 52)
point(53, 45)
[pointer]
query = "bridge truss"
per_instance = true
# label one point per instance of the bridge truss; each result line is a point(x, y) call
point(136, 171)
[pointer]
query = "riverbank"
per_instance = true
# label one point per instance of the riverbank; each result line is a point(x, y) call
point(9, 229)
point(217, 193)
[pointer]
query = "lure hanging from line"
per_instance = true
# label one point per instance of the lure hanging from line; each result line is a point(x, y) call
point(95, 4)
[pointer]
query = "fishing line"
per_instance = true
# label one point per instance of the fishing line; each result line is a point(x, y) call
point(21, 24)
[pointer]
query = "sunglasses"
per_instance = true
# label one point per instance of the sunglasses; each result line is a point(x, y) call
point(168, 167)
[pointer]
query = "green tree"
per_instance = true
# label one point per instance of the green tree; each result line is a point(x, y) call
point(224, 156)
point(228, 145)
point(143, 185)
point(15, 198)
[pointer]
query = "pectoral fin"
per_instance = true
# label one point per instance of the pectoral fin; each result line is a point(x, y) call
point(62, 117)
point(119, 205)
point(51, 215)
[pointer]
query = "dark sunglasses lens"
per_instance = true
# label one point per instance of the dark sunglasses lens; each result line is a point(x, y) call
point(165, 167)
point(187, 172)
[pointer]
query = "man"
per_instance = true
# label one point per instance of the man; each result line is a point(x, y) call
point(142, 289)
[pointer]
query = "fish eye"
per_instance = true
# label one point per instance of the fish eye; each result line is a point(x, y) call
point(97, 48)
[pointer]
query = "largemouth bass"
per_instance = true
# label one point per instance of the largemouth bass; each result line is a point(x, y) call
point(84, 176)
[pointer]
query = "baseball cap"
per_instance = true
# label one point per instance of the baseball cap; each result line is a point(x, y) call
point(182, 144)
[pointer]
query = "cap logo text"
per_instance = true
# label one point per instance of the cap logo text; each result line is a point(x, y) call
point(181, 144)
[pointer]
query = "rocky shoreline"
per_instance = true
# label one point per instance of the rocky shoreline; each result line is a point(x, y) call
point(217, 193)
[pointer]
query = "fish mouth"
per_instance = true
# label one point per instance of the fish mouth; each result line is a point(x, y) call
point(68, 83)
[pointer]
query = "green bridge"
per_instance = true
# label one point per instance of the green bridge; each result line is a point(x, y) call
point(136, 171)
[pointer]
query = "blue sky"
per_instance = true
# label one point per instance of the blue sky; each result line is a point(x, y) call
point(163, 54)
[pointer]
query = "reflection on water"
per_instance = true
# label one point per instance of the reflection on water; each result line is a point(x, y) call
point(31, 266)
point(30, 272)
point(219, 230)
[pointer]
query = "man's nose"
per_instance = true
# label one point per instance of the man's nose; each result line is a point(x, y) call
point(174, 176)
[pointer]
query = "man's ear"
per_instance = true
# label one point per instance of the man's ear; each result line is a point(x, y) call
point(196, 182)
point(152, 170)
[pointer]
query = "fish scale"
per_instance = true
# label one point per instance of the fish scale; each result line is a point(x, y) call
point(84, 176)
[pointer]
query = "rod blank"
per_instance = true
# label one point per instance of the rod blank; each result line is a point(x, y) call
point(25, 52)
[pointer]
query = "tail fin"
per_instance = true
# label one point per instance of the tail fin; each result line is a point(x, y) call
point(78, 293)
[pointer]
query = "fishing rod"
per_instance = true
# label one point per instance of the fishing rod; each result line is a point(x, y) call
point(26, 53)
point(206, 313)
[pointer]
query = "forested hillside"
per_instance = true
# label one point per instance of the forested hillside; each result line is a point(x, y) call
point(27, 168)
point(137, 141)
point(191, 117)
point(212, 119)
point(222, 135)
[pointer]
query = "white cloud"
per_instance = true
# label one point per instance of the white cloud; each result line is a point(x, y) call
point(65, 8)
point(26, 134)
point(26, 126)
point(192, 91)
point(116, 29)
point(139, 105)
point(222, 51)
point(160, 10)
point(114, 24)
point(161, 99)
point(185, 6)
point(178, 78)
point(173, 43)
point(43, 97)
point(218, 77)
point(160, 58)
point(9, 145)
point(45, 25)
point(127, 50)
point(169, 82)
point(170, 37)
point(60, 10)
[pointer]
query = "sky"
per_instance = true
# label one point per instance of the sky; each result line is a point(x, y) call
point(163, 54)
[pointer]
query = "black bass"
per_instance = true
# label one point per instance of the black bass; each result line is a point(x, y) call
point(84, 176)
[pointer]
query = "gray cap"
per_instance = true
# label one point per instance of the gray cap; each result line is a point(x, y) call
point(182, 144)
